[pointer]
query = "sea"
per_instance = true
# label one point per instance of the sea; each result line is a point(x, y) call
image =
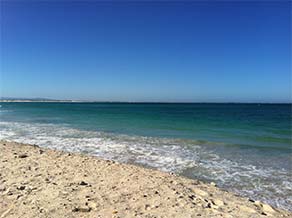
point(243, 148)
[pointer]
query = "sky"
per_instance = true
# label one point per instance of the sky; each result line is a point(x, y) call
point(166, 51)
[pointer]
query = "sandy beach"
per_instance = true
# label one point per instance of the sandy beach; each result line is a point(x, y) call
point(39, 182)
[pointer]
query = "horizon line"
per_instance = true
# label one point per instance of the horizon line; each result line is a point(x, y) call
point(44, 100)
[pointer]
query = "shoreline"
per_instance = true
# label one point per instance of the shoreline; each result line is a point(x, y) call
point(42, 182)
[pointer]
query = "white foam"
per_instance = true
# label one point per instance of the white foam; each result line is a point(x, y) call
point(141, 150)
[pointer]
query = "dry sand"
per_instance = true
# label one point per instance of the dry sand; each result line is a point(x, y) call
point(38, 182)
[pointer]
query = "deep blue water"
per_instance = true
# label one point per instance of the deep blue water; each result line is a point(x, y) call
point(245, 148)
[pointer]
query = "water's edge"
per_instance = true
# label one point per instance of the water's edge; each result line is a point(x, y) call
point(188, 158)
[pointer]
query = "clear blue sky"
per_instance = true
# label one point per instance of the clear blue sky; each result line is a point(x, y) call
point(151, 51)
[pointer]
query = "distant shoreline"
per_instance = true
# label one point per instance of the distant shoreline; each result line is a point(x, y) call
point(38, 101)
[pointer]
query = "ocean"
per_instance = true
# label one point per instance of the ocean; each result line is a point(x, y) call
point(243, 148)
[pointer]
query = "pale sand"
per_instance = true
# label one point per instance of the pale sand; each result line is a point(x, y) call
point(37, 182)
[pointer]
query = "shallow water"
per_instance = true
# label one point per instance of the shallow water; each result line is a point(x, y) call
point(245, 148)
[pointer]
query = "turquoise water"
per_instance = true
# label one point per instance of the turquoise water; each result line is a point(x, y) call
point(244, 148)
